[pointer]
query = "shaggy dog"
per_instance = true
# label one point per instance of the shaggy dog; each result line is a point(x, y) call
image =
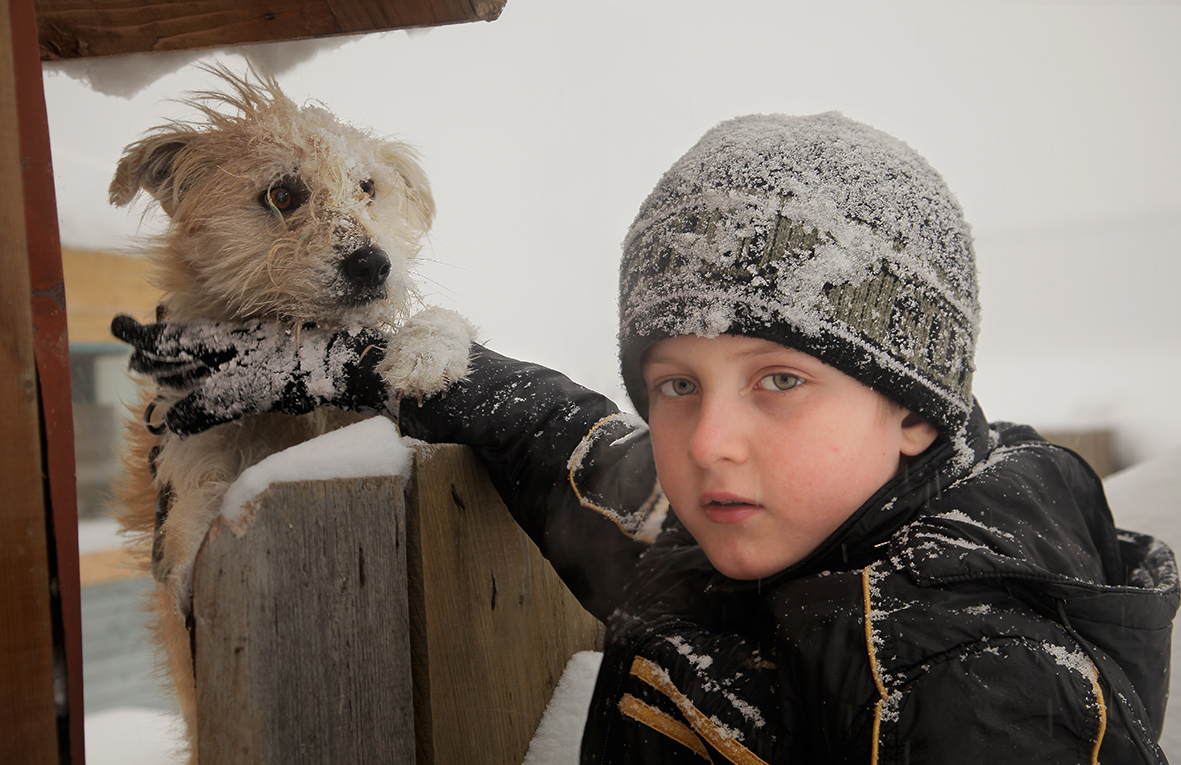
point(281, 212)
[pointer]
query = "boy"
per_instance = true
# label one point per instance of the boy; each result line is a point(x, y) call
point(857, 567)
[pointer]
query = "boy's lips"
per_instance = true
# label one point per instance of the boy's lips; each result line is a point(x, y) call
point(723, 507)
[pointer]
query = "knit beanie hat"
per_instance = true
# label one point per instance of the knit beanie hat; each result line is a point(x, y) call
point(819, 233)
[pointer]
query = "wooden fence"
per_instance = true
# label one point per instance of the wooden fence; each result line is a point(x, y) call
point(360, 621)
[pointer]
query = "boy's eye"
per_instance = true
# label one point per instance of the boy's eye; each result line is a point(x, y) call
point(677, 387)
point(779, 381)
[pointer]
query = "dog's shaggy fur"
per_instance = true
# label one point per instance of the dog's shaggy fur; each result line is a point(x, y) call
point(281, 212)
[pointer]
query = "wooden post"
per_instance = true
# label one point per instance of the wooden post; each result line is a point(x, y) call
point(492, 625)
point(40, 641)
point(312, 622)
point(302, 639)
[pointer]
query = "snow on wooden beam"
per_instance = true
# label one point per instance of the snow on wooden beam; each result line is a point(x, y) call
point(72, 29)
point(350, 621)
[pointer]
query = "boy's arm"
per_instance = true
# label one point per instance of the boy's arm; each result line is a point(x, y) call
point(526, 423)
point(575, 473)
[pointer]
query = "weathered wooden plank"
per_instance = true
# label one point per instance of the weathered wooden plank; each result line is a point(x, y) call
point(28, 722)
point(1096, 446)
point(301, 629)
point(44, 282)
point(102, 284)
point(493, 625)
point(95, 28)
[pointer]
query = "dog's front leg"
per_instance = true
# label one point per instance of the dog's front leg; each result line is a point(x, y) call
point(196, 472)
point(428, 353)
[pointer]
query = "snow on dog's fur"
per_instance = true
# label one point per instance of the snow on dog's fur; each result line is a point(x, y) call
point(283, 212)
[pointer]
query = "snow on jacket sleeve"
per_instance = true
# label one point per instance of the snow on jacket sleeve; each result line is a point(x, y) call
point(576, 474)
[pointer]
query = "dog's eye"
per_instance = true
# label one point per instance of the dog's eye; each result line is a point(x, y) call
point(285, 196)
point(369, 189)
point(280, 198)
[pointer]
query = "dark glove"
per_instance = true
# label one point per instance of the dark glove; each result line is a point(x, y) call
point(236, 369)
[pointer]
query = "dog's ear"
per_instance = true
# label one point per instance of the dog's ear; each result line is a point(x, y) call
point(420, 201)
point(150, 165)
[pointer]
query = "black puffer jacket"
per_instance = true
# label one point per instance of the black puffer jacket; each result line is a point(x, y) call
point(980, 608)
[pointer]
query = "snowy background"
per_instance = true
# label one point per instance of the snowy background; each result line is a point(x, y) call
point(1056, 125)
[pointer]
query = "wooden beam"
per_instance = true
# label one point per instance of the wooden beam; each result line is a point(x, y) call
point(314, 621)
point(102, 284)
point(302, 630)
point(72, 29)
point(28, 725)
point(492, 625)
point(51, 351)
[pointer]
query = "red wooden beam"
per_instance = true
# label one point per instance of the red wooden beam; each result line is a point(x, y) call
point(33, 622)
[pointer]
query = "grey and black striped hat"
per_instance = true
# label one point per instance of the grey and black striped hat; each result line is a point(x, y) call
point(820, 233)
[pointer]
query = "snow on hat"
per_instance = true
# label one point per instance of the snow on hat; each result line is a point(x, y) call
point(819, 233)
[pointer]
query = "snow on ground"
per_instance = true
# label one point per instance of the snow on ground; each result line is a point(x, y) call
point(98, 535)
point(126, 736)
point(131, 736)
point(1146, 498)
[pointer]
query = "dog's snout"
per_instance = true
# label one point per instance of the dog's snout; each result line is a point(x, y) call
point(367, 267)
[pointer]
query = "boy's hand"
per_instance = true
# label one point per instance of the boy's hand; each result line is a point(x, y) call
point(235, 369)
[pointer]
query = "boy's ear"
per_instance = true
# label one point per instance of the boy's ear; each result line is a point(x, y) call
point(917, 434)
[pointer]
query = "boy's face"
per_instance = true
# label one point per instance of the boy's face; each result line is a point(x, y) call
point(763, 451)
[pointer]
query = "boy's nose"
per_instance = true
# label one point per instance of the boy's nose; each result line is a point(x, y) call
point(719, 434)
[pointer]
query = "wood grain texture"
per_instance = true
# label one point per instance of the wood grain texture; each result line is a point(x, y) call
point(301, 629)
point(28, 728)
point(493, 626)
point(96, 28)
point(1096, 446)
point(100, 285)
point(51, 351)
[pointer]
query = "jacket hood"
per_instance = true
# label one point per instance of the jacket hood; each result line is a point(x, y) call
point(1033, 518)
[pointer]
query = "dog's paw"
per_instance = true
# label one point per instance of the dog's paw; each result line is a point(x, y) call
point(428, 353)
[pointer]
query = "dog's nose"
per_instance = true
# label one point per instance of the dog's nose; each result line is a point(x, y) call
point(367, 267)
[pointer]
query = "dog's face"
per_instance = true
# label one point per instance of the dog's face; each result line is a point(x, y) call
point(280, 211)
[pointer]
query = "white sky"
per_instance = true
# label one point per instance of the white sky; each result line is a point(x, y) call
point(1055, 124)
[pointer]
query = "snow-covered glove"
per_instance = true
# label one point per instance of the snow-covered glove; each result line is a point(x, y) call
point(222, 371)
